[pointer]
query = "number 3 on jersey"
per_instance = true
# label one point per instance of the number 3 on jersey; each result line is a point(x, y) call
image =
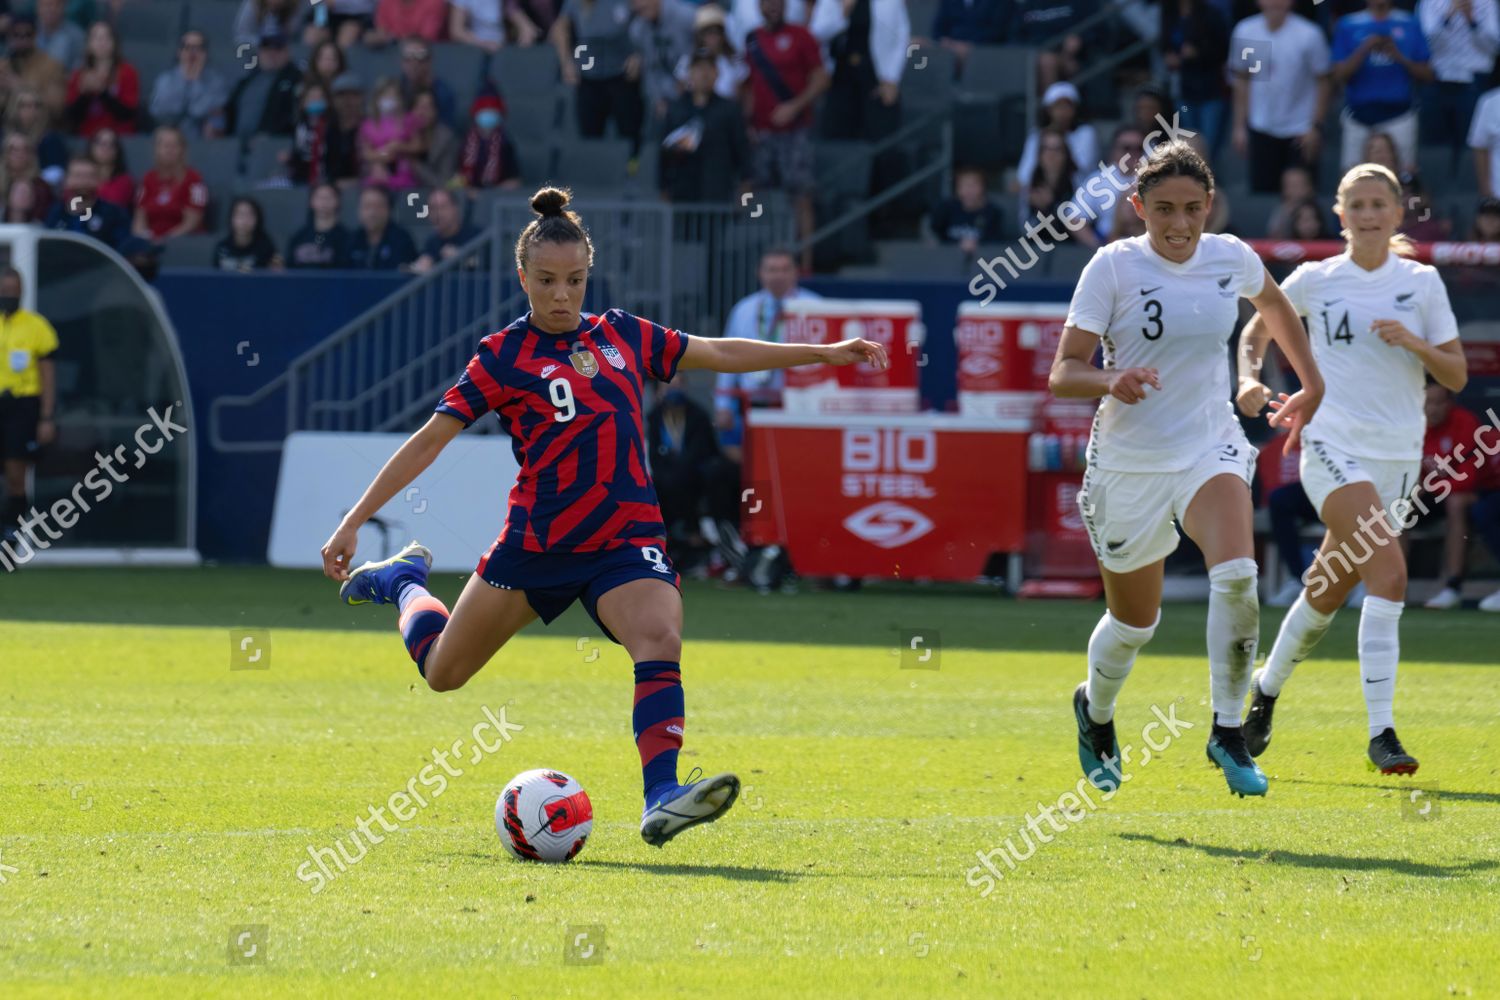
point(562, 398)
point(1153, 316)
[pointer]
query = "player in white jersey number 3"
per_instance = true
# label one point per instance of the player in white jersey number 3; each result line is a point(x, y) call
point(1166, 445)
point(1378, 323)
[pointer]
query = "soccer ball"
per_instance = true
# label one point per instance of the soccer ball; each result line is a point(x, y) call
point(543, 815)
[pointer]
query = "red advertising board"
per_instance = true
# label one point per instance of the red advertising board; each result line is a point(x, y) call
point(906, 497)
point(896, 325)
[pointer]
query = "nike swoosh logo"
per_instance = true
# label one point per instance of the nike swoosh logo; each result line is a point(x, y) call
point(1377, 680)
point(1148, 291)
point(1329, 302)
point(1404, 296)
point(1112, 546)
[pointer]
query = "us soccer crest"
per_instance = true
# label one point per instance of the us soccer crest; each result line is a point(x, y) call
point(585, 364)
point(613, 356)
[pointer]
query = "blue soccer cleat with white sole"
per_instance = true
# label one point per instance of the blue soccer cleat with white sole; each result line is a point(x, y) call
point(688, 805)
point(378, 582)
point(1227, 751)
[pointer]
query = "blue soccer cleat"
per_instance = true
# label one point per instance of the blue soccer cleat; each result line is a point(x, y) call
point(1098, 751)
point(688, 805)
point(377, 582)
point(1227, 751)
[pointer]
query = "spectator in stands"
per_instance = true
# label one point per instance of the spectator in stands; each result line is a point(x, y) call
point(1421, 222)
point(761, 315)
point(607, 76)
point(322, 242)
point(706, 151)
point(345, 21)
point(1195, 46)
point(264, 102)
point(709, 33)
point(385, 140)
point(450, 230)
point(867, 42)
point(1052, 182)
point(480, 23)
point(20, 205)
point(1484, 140)
point(959, 25)
point(1309, 223)
point(1380, 55)
point(379, 244)
point(79, 210)
point(489, 158)
point(1486, 228)
point(326, 65)
point(786, 79)
point(247, 247)
point(1448, 426)
point(1110, 185)
point(1044, 22)
point(1464, 36)
point(27, 116)
point(398, 19)
point(530, 21)
point(691, 476)
point(1060, 111)
point(437, 162)
point(1127, 223)
point(970, 217)
point(662, 33)
point(1296, 187)
point(747, 15)
point(18, 166)
point(1381, 148)
point(173, 198)
point(105, 91)
point(116, 186)
point(1219, 206)
point(1280, 103)
point(259, 18)
point(344, 129)
point(26, 65)
point(192, 94)
point(57, 36)
point(28, 396)
point(417, 76)
point(307, 159)
point(1149, 108)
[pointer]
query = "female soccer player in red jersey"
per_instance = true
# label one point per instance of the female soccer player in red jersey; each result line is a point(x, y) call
point(583, 521)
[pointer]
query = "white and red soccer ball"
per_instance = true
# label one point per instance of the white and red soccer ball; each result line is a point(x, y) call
point(543, 815)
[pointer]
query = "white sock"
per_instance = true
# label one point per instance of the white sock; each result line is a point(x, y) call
point(410, 592)
point(1302, 629)
point(1112, 650)
point(1379, 653)
point(1233, 633)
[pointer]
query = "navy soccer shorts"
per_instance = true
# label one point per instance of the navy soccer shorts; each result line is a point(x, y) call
point(552, 581)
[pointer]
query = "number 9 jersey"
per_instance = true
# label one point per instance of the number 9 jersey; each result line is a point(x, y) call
point(572, 404)
point(1150, 312)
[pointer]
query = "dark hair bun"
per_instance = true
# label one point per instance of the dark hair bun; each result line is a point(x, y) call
point(550, 201)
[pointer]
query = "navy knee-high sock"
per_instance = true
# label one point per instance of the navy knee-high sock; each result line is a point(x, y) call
point(657, 721)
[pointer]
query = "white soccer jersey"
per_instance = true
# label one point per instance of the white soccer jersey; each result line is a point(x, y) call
point(1176, 318)
point(1372, 402)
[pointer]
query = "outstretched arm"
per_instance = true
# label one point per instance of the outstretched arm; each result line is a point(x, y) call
point(735, 354)
point(407, 464)
point(1276, 319)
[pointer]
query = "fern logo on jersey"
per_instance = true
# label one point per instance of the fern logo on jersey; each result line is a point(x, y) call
point(1225, 292)
point(613, 356)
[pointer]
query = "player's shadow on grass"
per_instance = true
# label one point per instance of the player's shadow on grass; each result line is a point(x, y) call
point(738, 873)
point(1441, 794)
point(1398, 866)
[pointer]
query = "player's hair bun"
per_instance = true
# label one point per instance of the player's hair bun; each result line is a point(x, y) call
point(550, 201)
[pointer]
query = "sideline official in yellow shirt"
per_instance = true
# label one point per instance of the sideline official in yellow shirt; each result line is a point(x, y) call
point(28, 393)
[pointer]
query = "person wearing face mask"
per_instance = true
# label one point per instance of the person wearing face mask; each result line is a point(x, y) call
point(28, 394)
point(489, 155)
point(307, 160)
point(385, 140)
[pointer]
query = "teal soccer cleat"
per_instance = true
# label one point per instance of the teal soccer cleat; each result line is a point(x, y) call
point(1098, 751)
point(1227, 752)
point(377, 582)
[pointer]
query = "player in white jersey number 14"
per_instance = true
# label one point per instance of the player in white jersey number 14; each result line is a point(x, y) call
point(1379, 325)
point(1166, 446)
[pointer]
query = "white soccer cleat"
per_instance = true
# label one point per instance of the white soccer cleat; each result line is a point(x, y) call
point(688, 805)
point(1444, 599)
point(1286, 596)
point(1491, 603)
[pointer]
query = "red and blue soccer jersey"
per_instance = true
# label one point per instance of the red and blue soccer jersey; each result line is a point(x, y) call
point(572, 404)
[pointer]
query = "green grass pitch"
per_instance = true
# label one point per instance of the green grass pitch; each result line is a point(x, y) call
point(155, 804)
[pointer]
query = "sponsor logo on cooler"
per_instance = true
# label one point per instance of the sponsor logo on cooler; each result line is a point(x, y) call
point(888, 524)
point(979, 365)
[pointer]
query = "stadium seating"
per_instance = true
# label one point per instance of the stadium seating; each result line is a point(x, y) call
point(525, 71)
point(150, 19)
point(591, 165)
point(190, 251)
point(928, 82)
point(990, 114)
